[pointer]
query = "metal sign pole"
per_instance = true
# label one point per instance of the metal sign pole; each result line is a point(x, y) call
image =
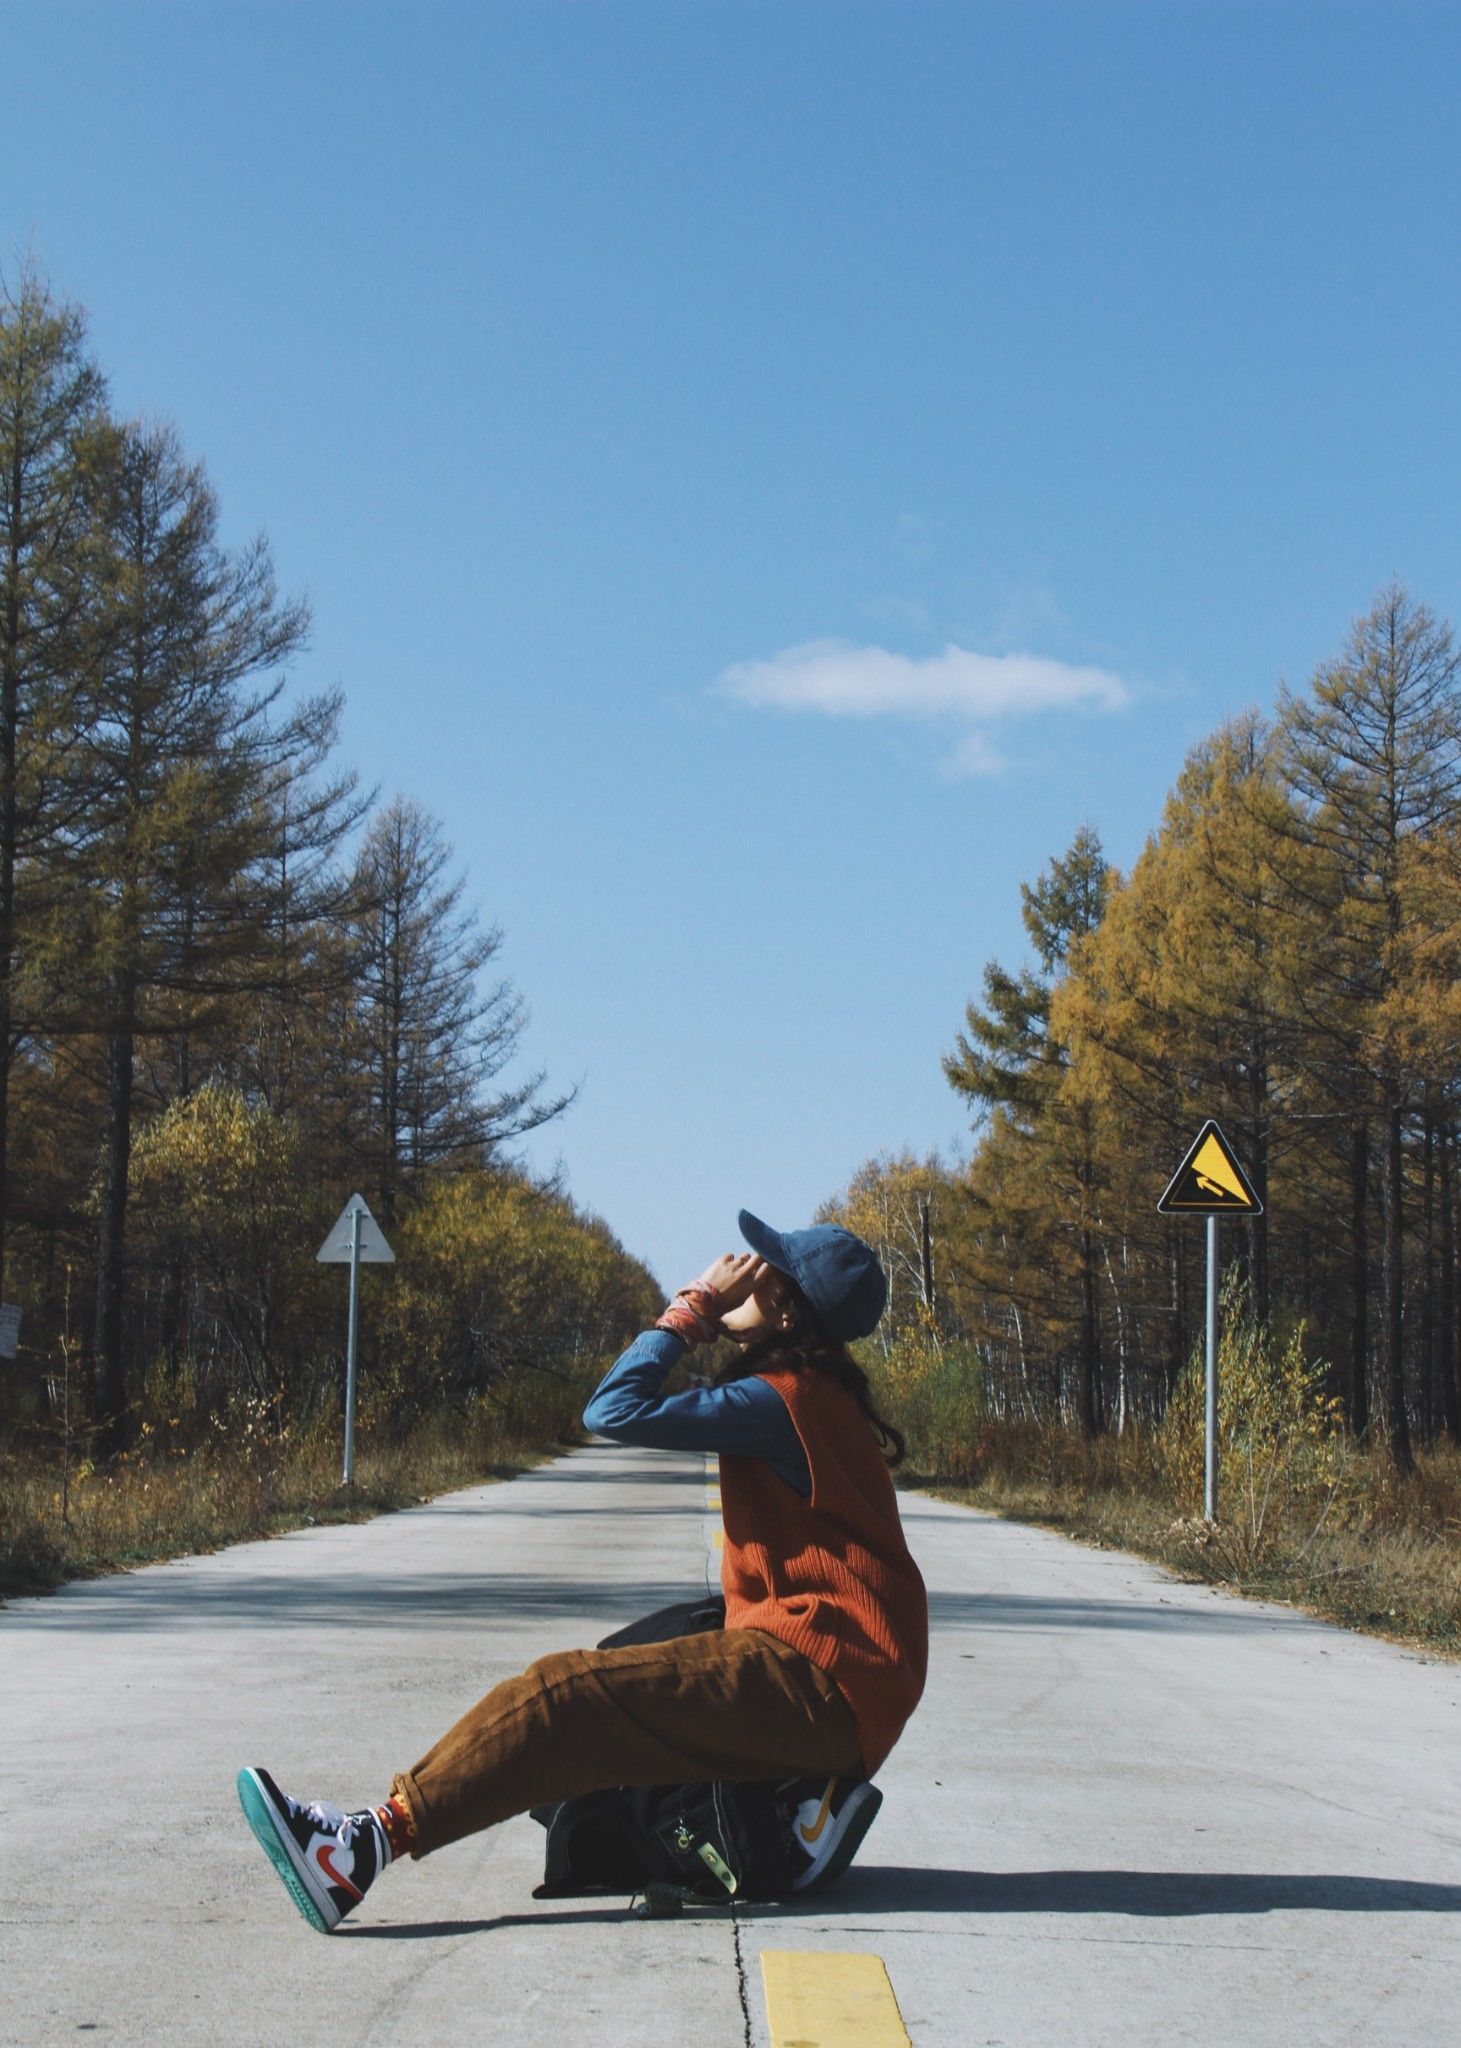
point(355, 1239)
point(349, 1476)
point(1210, 1475)
point(1210, 1182)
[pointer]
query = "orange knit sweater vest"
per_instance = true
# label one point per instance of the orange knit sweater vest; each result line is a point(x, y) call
point(831, 1575)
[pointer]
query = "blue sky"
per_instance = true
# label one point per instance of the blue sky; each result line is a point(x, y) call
point(765, 475)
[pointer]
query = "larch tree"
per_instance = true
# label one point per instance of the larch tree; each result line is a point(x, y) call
point(51, 397)
point(1178, 1010)
point(306, 901)
point(1373, 755)
point(180, 753)
point(1008, 1060)
point(1421, 1026)
point(434, 1034)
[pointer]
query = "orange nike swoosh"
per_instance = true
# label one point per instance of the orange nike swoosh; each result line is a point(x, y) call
point(810, 1834)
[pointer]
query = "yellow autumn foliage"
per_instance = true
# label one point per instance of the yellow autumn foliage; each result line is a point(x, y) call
point(505, 1292)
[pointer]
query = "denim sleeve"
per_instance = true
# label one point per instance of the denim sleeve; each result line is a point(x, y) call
point(746, 1417)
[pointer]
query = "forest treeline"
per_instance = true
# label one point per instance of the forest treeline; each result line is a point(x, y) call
point(1285, 956)
point(233, 987)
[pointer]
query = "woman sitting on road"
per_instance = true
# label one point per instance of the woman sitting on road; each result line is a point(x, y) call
point(825, 1645)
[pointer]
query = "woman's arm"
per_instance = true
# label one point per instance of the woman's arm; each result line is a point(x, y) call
point(746, 1418)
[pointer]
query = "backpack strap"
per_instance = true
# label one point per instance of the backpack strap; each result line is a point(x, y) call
point(709, 1855)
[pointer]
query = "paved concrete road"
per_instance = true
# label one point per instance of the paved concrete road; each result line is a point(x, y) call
point(1128, 1811)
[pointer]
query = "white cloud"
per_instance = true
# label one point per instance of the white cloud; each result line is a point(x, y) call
point(842, 680)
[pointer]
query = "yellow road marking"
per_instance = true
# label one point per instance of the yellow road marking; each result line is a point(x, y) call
point(830, 2001)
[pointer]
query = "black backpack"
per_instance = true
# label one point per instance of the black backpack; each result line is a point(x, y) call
point(713, 1841)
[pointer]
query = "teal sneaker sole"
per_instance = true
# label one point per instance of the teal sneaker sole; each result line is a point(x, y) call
point(259, 1814)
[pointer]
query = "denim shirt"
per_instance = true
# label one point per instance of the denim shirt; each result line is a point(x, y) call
point(745, 1417)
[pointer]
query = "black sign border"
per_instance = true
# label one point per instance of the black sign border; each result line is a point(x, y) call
point(1167, 1207)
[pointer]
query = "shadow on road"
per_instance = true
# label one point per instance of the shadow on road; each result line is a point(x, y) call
point(284, 1597)
point(1144, 1894)
point(1139, 1894)
point(444, 1930)
point(1021, 1610)
point(552, 1510)
point(458, 1601)
point(594, 1473)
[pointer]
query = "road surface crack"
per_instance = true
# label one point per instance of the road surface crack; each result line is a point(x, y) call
point(741, 1977)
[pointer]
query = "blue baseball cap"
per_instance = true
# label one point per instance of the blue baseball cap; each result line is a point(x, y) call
point(838, 1273)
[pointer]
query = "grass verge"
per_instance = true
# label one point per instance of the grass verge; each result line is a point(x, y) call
point(1379, 1552)
point(155, 1504)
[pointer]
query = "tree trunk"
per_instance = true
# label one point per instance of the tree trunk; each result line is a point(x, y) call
point(1177, 1352)
point(1258, 1225)
point(1447, 1360)
point(1118, 1297)
point(1428, 1279)
point(1397, 1421)
point(170, 1313)
point(9, 808)
point(926, 1247)
point(5, 1034)
point(9, 721)
point(1359, 1237)
point(110, 1367)
point(1090, 1347)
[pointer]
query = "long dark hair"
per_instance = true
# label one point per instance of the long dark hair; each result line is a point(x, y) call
point(809, 1346)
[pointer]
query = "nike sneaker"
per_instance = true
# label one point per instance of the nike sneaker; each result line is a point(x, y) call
point(327, 1858)
point(828, 1828)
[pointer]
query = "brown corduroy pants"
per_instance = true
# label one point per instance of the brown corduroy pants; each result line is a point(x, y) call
point(732, 1704)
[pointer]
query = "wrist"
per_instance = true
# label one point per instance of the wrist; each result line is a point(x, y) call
point(694, 1315)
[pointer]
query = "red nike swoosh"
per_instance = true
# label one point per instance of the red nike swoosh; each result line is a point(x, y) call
point(324, 1857)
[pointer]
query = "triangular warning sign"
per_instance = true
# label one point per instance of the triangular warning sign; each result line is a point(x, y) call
point(369, 1237)
point(1209, 1181)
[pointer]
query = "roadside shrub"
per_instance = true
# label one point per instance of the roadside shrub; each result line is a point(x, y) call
point(1284, 1456)
point(934, 1393)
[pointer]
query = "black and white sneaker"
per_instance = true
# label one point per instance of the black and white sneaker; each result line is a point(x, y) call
point(828, 1828)
point(327, 1858)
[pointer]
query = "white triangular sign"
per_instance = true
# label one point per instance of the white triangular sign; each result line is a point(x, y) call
point(374, 1251)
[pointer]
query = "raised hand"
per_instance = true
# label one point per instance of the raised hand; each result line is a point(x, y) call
point(731, 1277)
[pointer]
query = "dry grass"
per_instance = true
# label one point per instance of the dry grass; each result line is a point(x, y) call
point(158, 1503)
point(1370, 1550)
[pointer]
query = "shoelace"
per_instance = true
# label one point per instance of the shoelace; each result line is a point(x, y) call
point(326, 1815)
point(346, 1827)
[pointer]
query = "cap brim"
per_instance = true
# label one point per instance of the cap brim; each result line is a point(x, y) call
point(767, 1243)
